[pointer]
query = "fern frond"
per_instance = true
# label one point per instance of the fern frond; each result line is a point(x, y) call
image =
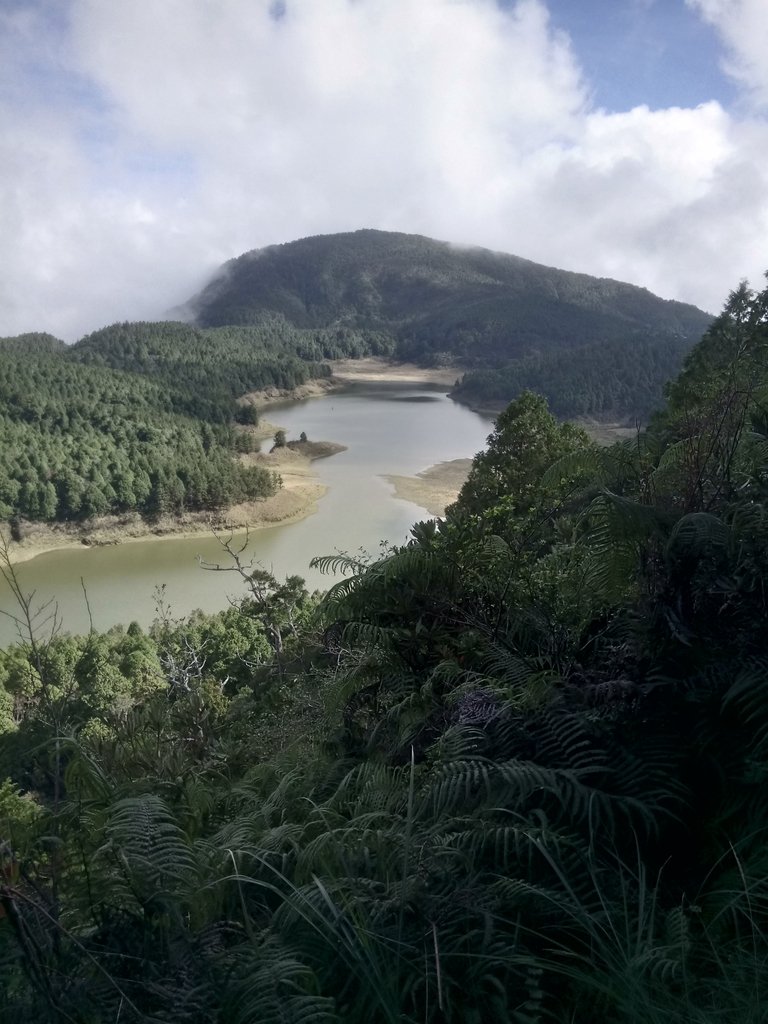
point(586, 464)
point(698, 533)
point(332, 565)
point(270, 986)
point(747, 695)
point(155, 859)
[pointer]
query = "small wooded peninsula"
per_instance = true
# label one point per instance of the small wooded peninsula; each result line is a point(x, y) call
point(510, 770)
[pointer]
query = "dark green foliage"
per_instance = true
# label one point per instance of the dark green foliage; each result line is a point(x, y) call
point(525, 442)
point(137, 416)
point(203, 372)
point(513, 771)
point(35, 343)
point(593, 347)
point(247, 415)
point(84, 440)
point(441, 303)
point(606, 380)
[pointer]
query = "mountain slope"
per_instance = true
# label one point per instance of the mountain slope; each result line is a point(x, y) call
point(435, 300)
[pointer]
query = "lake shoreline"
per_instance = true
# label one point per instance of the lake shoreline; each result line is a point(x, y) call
point(295, 500)
point(374, 369)
point(390, 428)
point(370, 370)
point(433, 488)
point(316, 387)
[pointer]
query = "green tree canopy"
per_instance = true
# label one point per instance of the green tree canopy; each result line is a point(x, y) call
point(525, 442)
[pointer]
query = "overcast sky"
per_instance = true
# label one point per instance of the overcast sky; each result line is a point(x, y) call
point(144, 142)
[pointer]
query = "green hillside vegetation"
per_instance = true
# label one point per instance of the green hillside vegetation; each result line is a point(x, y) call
point(204, 371)
point(603, 380)
point(138, 416)
point(82, 440)
point(512, 770)
point(523, 324)
point(32, 344)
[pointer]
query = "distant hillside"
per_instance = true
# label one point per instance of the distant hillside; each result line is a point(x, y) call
point(134, 418)
point(203, 372)
point(436, 301)
point(35, 343)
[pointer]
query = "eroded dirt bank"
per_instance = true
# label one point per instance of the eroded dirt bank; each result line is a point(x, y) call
point(295, 500)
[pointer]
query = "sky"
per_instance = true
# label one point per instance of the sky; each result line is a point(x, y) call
point(145, 142)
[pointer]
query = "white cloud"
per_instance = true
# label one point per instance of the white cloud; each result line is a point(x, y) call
point(166, 136)
point(672, 199)
point(743, 25)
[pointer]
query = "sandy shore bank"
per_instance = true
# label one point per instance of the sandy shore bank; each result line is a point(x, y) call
point(349, 371)
point(311, 389)
point(437, 487)
point(295, 500)
point(434, 488)
point(374, 369)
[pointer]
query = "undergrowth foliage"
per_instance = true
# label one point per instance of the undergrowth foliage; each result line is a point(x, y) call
point(513, 770)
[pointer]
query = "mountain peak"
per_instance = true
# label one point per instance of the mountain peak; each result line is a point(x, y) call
point(431, 296)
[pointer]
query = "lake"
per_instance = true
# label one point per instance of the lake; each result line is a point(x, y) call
point(388, 429)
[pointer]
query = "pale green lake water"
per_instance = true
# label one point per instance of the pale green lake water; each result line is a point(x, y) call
point(388, 428)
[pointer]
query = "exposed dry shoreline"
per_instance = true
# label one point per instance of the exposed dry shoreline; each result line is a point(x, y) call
point(434, 488)
point(315, 388)
point(437, 486)
point(295, 500)
point(372, 369)
point(375, 369)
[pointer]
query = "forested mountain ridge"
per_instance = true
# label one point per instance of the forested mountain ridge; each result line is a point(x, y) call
point(273, 318)
point(435, 299)
point(34, 343)
point(203, 371)
point(618, 380)
point(592, 346)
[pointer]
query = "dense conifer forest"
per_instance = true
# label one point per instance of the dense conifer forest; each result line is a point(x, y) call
point(604, 380)
point(511, 771)
point(592, 346)
point(139, 416)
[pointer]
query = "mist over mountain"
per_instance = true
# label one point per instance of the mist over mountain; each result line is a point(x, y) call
point(436, 301)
